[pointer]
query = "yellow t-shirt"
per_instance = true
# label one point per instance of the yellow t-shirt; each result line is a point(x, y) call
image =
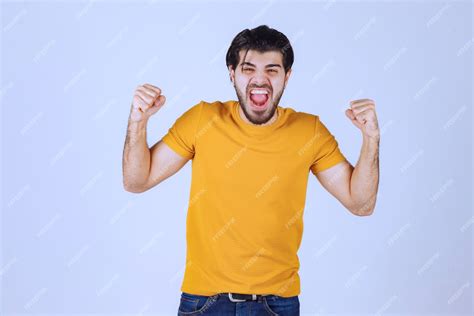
point(245, 216)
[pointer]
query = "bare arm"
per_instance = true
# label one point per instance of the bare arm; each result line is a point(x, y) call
point(365, 178)
point(144, 167)
point(136, 157)
point(356, 188)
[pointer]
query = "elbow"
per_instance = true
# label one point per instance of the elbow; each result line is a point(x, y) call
point(365, 210)
point(133, 188)
point(363, 213)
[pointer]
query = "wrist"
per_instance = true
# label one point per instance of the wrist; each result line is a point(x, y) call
point(371, 139)
point(137, 125)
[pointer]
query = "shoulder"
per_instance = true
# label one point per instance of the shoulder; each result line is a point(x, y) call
point(300, 117)
point(214, 109)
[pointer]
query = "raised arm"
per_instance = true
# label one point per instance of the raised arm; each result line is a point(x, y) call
point(356, 187)
point(144, 167)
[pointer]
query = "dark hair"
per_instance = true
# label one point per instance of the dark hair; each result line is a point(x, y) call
point(261, 39)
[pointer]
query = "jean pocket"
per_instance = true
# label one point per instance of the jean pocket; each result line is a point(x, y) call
point(282, 306)
point(191, 303)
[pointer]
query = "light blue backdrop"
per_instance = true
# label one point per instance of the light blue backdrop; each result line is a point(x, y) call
point(74, 242)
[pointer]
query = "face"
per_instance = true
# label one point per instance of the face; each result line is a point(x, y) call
point(259, 82)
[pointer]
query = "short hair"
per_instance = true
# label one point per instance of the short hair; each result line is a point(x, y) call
point(261, 39)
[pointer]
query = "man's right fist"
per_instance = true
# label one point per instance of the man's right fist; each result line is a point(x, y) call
point(147, 100)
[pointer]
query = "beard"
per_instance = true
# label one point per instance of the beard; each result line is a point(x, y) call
point(258, 118)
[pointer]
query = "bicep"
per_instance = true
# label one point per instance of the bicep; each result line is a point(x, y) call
point(164, 162)
point(336, 180)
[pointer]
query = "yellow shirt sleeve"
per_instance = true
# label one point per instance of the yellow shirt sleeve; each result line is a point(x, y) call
point(327, 152)
point(181, 136)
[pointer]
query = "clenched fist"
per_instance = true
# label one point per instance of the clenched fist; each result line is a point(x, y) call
point(363, 116)
point(147, 100)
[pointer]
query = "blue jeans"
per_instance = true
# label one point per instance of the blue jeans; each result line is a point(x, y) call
point(220, 304)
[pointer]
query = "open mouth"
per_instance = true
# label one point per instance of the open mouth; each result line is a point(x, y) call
point(259, 99)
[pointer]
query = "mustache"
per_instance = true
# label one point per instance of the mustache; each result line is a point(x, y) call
point(259, 87)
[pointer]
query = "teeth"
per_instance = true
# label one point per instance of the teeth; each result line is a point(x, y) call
point(259, 92)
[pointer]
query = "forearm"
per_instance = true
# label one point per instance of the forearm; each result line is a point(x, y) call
point(365, 177)
point(136, 156)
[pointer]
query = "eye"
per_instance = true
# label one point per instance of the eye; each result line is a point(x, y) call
point(247, 69)
point(273, 70)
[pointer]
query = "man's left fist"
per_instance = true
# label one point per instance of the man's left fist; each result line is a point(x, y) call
point(362, 114)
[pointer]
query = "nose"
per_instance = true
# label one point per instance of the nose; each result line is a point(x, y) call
point(261, 74)
point(260, 79)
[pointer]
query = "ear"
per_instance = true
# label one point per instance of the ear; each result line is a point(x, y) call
point(231, 74)
point(287, 76)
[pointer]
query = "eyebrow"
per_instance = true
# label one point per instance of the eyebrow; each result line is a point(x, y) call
point(267, 66)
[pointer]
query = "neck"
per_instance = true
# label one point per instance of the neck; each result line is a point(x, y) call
point(270, 121)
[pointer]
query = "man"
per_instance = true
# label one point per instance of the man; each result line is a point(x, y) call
point(251, 161)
